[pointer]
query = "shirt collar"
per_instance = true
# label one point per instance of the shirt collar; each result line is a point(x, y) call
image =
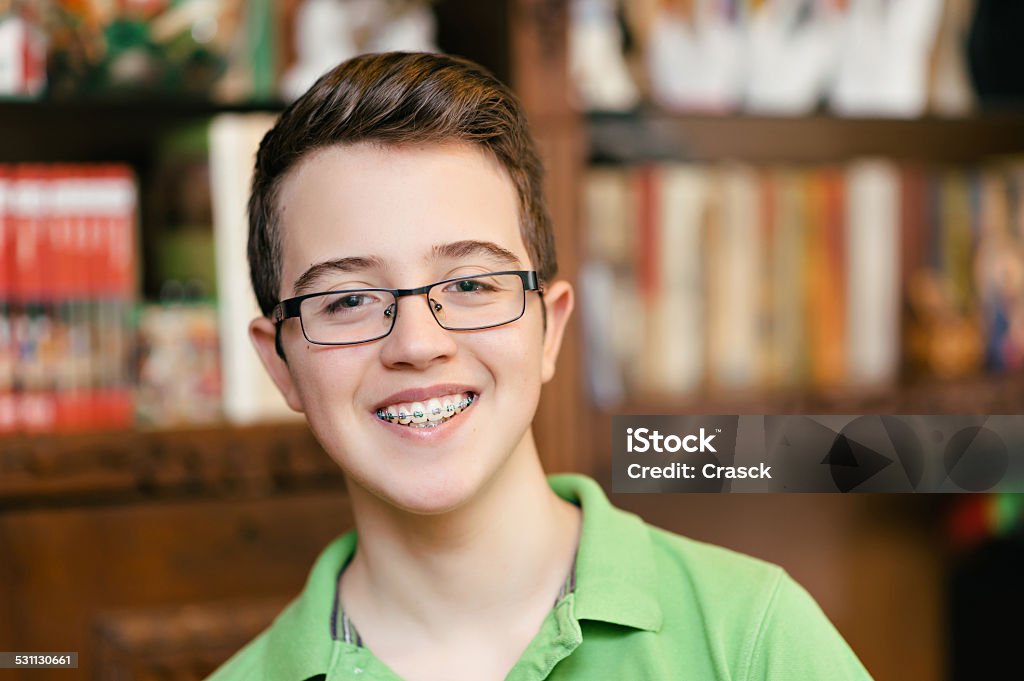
point(615, 583)
point(615, 568)
point(300, 643)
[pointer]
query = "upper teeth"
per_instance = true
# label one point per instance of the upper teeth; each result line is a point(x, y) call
point(426, 414)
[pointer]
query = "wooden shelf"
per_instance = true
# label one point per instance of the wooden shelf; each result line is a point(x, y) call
point(101, 129)
point(659, 136)
point(980, 395)
point(132, 466)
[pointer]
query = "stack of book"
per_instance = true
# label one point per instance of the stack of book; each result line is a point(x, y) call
point(737, 279)
point(777, 57)
point(67, 291)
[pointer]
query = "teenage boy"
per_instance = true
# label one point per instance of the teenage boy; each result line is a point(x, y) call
point(402, 254)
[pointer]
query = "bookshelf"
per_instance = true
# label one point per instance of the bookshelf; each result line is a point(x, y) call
point(185, 507)
point(650, 136)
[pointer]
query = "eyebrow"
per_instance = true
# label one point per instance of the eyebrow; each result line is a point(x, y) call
point(450, 251)
point(470, 247)
point(306, 282)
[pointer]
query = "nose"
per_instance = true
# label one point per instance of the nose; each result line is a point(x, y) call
point(417, 340)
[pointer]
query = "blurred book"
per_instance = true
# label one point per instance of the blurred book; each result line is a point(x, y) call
point(8, 351)
point(179, 378)
point(884, 59)
point(249, 394)
point(69, 288)
point(872, 273)
point(800, 279)
point(597, 62)
point(696, 56)
point(328, 32)
point(895, 58)
point(23, 44)
point(793, 50)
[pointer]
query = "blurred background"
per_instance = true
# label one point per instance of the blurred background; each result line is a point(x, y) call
point(766, 206)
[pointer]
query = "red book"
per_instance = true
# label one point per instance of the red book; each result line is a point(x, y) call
point(34, 398)
point(8, 420)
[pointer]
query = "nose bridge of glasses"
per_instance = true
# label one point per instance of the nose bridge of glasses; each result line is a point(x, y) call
point(432, 305)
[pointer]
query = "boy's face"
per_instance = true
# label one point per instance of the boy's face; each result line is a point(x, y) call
point(411, 216)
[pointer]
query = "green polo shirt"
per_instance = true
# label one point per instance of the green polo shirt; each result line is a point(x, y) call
point(648, 605)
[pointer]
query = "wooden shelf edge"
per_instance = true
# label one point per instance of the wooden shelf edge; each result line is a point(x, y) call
point(658, 136)
point(993, 395)
point(203, 462)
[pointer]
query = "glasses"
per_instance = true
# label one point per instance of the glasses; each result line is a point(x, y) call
point(353, 316)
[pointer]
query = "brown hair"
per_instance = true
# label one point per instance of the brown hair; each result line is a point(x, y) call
point(397, 98)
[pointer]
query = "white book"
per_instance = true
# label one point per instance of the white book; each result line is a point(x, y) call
point(678, 342)
point(696, 62)
point(883, 68)
point(599, 71)
point(735, 279)
point(249, 393)
point(791, 57)
point(873, 273)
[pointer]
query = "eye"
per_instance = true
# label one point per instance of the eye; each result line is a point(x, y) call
point(349, 302)
point(469, 285)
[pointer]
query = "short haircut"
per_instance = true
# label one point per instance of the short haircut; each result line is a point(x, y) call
point(392, 99)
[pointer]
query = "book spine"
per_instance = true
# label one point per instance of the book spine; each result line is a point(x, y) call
point(646, 268)
point(677, 359)
point(732, 308)
point(8, 418)
point(825, 271)
point(249, 394)
point(606, 269)
point(31, 324)
point(873, 251)
point(788, 286)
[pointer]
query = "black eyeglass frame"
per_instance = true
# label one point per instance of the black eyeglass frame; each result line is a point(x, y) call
point(291, 307)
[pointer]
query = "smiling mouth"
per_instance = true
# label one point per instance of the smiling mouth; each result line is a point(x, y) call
point(428, 414)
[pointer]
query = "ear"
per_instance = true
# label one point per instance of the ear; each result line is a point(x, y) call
point(262, 334)
point(559, 300)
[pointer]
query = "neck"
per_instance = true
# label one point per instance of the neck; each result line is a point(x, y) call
point(511, 542)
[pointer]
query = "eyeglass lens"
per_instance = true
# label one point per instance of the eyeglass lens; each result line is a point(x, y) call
point(362, 315)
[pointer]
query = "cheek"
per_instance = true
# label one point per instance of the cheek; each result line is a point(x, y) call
point(514, 358)
point(327, 377)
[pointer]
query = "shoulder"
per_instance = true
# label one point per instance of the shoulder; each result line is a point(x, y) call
point(753, 611)
point(709, 566)
point(731, 591)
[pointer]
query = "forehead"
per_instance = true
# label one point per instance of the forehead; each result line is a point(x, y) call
point(395, 204)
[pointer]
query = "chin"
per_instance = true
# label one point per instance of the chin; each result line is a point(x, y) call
point(432, 494)
point(427, 488)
